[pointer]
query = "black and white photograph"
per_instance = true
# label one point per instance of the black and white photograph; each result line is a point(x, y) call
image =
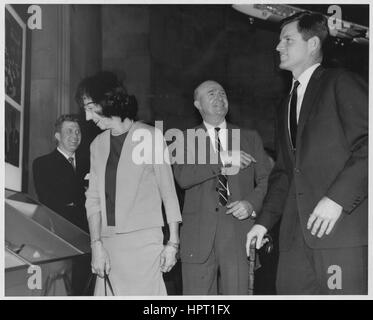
point(12, 128)
point(176, 151)
point(14, 46)
point(13, 55)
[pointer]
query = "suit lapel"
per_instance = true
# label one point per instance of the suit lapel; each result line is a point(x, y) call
point(208, 147)
point(308, 103)
point(234, 144)
point(64, 163)
point(285, 128)
point(230, 136)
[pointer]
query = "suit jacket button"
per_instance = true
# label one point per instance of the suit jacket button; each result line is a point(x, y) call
point(216, 209)
point(296, 170)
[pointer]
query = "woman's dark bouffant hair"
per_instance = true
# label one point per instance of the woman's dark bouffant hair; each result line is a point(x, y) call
point(106, 90)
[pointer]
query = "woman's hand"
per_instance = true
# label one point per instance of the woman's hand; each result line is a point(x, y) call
point(100, 259)
point(168, 258)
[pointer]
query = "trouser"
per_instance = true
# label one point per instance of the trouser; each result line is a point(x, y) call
point(81, 271)
point(306, 271)
point(226, 269)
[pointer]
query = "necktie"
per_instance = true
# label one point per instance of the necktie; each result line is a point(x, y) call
point(222, 179)
point(71, 160)
point(293, 114)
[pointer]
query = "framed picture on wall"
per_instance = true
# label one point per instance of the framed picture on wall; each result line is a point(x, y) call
point(15, 50)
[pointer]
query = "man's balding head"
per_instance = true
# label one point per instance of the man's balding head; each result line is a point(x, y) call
point(211, 101)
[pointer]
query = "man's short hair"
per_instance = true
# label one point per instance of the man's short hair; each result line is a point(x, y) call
point(65, 117)
point(310, 25)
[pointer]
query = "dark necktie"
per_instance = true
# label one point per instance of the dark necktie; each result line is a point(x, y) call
point(222, 179)
point(71, 160)
point(293, 114)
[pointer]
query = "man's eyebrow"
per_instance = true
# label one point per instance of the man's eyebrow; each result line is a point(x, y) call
point(287, 35)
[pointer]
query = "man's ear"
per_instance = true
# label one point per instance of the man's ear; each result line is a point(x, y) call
point(314, 44)
point(57, 135)
point(197, 104)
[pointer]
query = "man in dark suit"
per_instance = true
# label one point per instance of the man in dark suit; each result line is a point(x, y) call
point(219, 204)
point(59, 175)
point(319, 185)
point(59, 183)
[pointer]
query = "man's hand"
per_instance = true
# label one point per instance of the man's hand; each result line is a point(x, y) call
point(245, 159)
point(100, 259)
point(324, 217)
point(240, 209)
point(234, 161)
point(256, 234)
point(168, 258)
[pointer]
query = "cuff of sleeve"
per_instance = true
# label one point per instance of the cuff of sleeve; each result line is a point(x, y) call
point(91, 213)
point(216, 169)
point(264, 221)
point(346, 206)
point(256, 207)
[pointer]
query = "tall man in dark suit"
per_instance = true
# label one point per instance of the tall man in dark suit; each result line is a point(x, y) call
point(59, 183)
point(219, 206)
point(319, 185)
point(59, 175)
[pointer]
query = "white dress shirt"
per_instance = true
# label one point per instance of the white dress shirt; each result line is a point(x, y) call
point(303, 79)
point(67, 156)
point(222, 134)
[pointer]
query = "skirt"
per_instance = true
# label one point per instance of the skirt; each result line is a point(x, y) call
point(135, 264)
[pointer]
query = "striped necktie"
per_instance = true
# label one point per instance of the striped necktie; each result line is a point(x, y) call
point(223, 181)
point(71, 160)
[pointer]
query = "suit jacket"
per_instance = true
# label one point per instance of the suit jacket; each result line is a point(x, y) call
point(331, 160)
point(60, 188)
point(201, 197)
point(141, 187)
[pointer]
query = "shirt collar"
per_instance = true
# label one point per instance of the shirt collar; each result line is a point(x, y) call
point(211, 128)
point(66, 155)
point(305, 77)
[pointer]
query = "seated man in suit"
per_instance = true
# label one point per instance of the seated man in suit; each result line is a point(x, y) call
point(219, 206)
point(59, 183)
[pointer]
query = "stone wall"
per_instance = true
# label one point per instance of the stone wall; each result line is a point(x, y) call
point(190, 44)
point(125, 50)
point(67, 48)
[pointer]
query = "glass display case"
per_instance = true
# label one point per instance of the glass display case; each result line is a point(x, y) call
point(40, 246)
